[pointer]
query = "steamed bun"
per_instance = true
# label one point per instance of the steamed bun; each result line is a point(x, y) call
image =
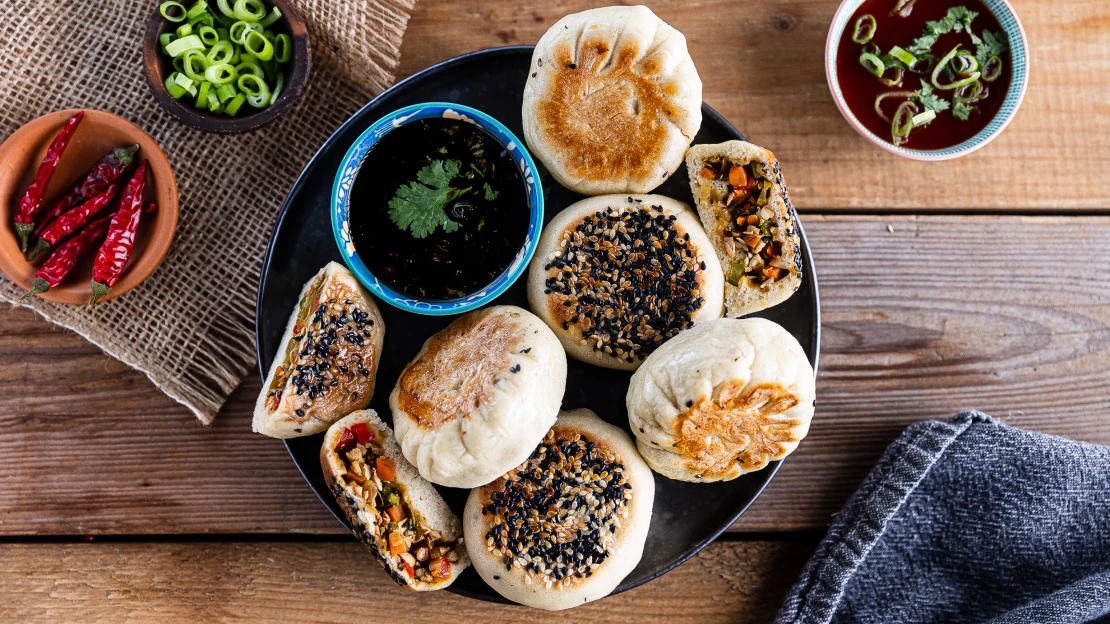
point(722, 399)
point(479, 396)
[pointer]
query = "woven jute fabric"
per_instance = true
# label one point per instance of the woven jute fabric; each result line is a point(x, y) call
point(190, 326)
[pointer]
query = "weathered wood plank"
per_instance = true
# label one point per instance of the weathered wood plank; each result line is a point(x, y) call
point(339, 582)
point(1007, 314)
point(762, 64)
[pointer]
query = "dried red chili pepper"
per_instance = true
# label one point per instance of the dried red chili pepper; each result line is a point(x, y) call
point(31, 202)
point(74, 220)
point(65, 257)
point(116, 250)
point(99, 177)
point(346, 441)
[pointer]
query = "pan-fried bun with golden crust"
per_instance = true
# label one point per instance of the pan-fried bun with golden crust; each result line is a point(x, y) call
point(479, 396)
point(720, 400)
point(615, 276)
point(596, 534)
point(612, 100)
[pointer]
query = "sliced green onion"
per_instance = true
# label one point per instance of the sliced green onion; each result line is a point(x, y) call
point(872, 64)
point(900, 54)
point(220, 53)
point(277, 88)
point(226, 92)
point(249, 10)
point(921, 119)
point(872, 48)
point(164, 39)
point(952, 85)
point(186, 83)
point(175, 90)
point(864, 29)
point(883, 96)
point(232, 107)
point(895, 80)
point(262, 100)
point(283, 48)
point(902, 124)
point(224, 35)
point(220, 75)
point(197, 9)
point(252, 85)
point(208, 35)
point(924, 64)
point(275, 15)
point(225, 8)
point(970, 93)
point(173, 11)
point(194, 64)
point(992, 69)
point(179, 65)
point(180, 46)
point(250, 67)
point(184, 30)
point(268, 34)
point(257, 45)
point(204, 19)
point(238, 31)
point(202, 95)
point(965, 63)
point(213, 102)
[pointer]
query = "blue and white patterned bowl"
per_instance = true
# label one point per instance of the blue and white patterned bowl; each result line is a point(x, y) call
point(1019, 51)
point(341, 206)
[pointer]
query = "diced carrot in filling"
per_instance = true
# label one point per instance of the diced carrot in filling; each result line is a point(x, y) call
point(385, 469)
point(396, 543)
point(708, 173)
point(396, 513)
point(408, 569)
point(737, 177)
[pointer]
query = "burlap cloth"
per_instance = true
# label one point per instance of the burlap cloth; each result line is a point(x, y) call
point(190, 326)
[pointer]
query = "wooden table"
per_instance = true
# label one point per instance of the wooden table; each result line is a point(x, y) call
point(114, 503)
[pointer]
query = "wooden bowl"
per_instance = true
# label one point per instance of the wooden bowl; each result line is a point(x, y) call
point(158, 66)
point(98, 133)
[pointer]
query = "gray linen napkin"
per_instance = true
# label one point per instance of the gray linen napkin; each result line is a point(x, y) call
point(967, 521)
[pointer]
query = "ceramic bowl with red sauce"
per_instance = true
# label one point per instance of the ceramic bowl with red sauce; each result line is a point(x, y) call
point(927, 79)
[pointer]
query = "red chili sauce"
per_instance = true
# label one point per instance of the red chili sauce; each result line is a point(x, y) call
point(861, 87)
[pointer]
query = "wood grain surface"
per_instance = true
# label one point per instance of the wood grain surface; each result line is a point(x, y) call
point(922, 317)
point(735, 582)
point(762, 66)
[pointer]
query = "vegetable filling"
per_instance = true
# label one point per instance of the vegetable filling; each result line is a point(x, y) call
point(746, 225)
point(411, 545)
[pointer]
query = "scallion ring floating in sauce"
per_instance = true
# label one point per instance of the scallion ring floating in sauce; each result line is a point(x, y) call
point(895, 76)
point(902, 125)
point(942, 63)
point(864, 29)
point(872, 64)
point(992, 69)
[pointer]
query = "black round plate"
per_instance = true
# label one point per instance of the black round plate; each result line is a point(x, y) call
point(686, 516)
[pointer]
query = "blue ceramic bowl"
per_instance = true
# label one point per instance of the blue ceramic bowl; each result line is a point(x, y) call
point(341, 207)
point(1015, 93)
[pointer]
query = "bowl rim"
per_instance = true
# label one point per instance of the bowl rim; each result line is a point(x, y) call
point(351, 164)
point(292, 90)
point(963, 148)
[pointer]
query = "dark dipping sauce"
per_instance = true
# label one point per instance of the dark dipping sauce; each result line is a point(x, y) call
point(861, 88)
point(441, 265)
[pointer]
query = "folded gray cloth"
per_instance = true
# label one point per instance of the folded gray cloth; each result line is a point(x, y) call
point(967, 521)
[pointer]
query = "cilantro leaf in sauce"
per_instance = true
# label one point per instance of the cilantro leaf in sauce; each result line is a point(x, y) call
point(420, 206)
point(956, 20)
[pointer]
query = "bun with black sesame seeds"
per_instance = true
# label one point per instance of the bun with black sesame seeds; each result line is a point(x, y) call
point(721, 400)
point(327, 360)
point(742, 201)
point(398, 515)
point(585, 497)
point(479, 396)
point(615, 276)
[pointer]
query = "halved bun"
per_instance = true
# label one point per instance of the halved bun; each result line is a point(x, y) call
point(754, 279)
point(612, 100)
point(615, 276)
point(583, 563)
point(327, 360)
point(479, 395)
point(429, 522)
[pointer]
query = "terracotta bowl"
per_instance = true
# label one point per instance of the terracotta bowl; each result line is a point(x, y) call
point(158, 66)
point(98, 133)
